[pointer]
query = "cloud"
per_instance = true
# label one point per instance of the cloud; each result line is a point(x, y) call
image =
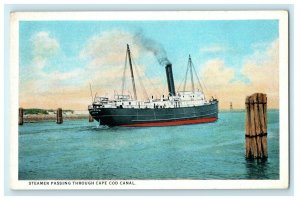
point(44, 45)
point(43, 48)
point(34, 78)
point(217, 74)
point(62, 76)
point(261, 69)
point(263, 65)
point(108, 48)
point(104, 55)
point(212, 49)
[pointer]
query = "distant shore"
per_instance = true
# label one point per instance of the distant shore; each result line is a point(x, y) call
point(37, 115)
point(52, 117)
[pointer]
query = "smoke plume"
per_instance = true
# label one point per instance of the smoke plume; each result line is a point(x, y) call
point(153, 46)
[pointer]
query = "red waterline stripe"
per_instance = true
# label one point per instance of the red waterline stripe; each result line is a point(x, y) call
point(174, 123)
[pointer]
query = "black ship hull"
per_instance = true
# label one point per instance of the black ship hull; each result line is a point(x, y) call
point(156, 117)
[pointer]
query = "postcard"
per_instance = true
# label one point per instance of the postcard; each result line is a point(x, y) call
point(149, 100)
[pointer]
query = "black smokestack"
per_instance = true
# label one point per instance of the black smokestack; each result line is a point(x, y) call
point(170, 79)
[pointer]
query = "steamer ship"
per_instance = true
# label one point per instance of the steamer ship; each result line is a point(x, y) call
point(177, 108)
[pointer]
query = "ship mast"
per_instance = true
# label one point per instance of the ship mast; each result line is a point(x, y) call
point(191, 70)
point(131, 71)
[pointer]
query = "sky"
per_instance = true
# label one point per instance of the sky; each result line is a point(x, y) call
point(60, 59)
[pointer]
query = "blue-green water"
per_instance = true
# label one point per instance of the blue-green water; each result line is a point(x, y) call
point(82, 150)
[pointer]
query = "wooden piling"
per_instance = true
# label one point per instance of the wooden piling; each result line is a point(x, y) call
point(59, 117)
point(91, 119)
point(256, 126)
point(230, 106)
point(21, 113)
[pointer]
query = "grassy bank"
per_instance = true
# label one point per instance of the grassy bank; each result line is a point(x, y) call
point(37, 115)
point(38, 111)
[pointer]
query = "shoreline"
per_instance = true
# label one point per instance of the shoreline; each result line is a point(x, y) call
point(33, 118)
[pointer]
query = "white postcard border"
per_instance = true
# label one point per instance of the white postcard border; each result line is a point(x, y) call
point(283, 181)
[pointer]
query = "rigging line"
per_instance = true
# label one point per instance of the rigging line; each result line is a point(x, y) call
point(178, 88)
point(184, 78)
point(124, 77)
point(162, 88)
point(206, 90)
point(139, 77)
point(201, 84)
point(204, 86)
point(152, 84)
point(157, 88)
point(95, 96)
point(91, 92)
point(141, 82)
point(191, 71)
point(197, 78)
point(186, 73)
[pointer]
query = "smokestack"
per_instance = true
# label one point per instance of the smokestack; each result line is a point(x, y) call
point(170, 79)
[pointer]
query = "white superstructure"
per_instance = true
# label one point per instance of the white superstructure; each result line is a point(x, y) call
point(182, 99)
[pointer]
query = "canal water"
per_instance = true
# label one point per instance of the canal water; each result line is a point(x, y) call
point(78, 149)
